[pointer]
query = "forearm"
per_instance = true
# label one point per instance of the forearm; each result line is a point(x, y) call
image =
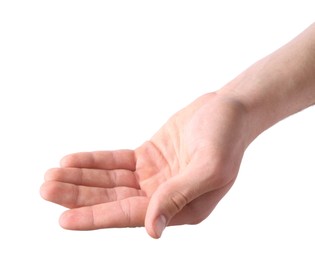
point(277, 86)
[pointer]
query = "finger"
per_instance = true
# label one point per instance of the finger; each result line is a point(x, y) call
point(109, 160)
point(124, 213)
point(171, 197)
point(200, 208)
point(73, 196)
point(93, 177)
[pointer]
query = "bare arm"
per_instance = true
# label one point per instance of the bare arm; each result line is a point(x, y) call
point(279, 85)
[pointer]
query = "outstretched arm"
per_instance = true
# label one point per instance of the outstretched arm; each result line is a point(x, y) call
point(184, 170)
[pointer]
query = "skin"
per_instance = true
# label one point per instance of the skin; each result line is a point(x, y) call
point(180, 174)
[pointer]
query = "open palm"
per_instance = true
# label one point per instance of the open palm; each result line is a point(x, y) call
point(175, 178)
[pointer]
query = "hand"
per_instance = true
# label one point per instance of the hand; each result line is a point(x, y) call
point(176, 178)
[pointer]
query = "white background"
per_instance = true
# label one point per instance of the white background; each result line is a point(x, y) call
point(93, 75)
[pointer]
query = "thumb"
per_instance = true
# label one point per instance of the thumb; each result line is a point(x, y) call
point(169, 199)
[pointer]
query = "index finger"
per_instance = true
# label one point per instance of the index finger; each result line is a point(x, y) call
point(108, 160)
point(128, 212)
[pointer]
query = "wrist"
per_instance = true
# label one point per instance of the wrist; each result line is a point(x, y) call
point(260, 111)
point(235, 116)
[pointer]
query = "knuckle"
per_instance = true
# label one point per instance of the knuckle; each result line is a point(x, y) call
point(126, 211)
point(178, 201)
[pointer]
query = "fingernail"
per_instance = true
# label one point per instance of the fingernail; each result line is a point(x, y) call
point(160, 225)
